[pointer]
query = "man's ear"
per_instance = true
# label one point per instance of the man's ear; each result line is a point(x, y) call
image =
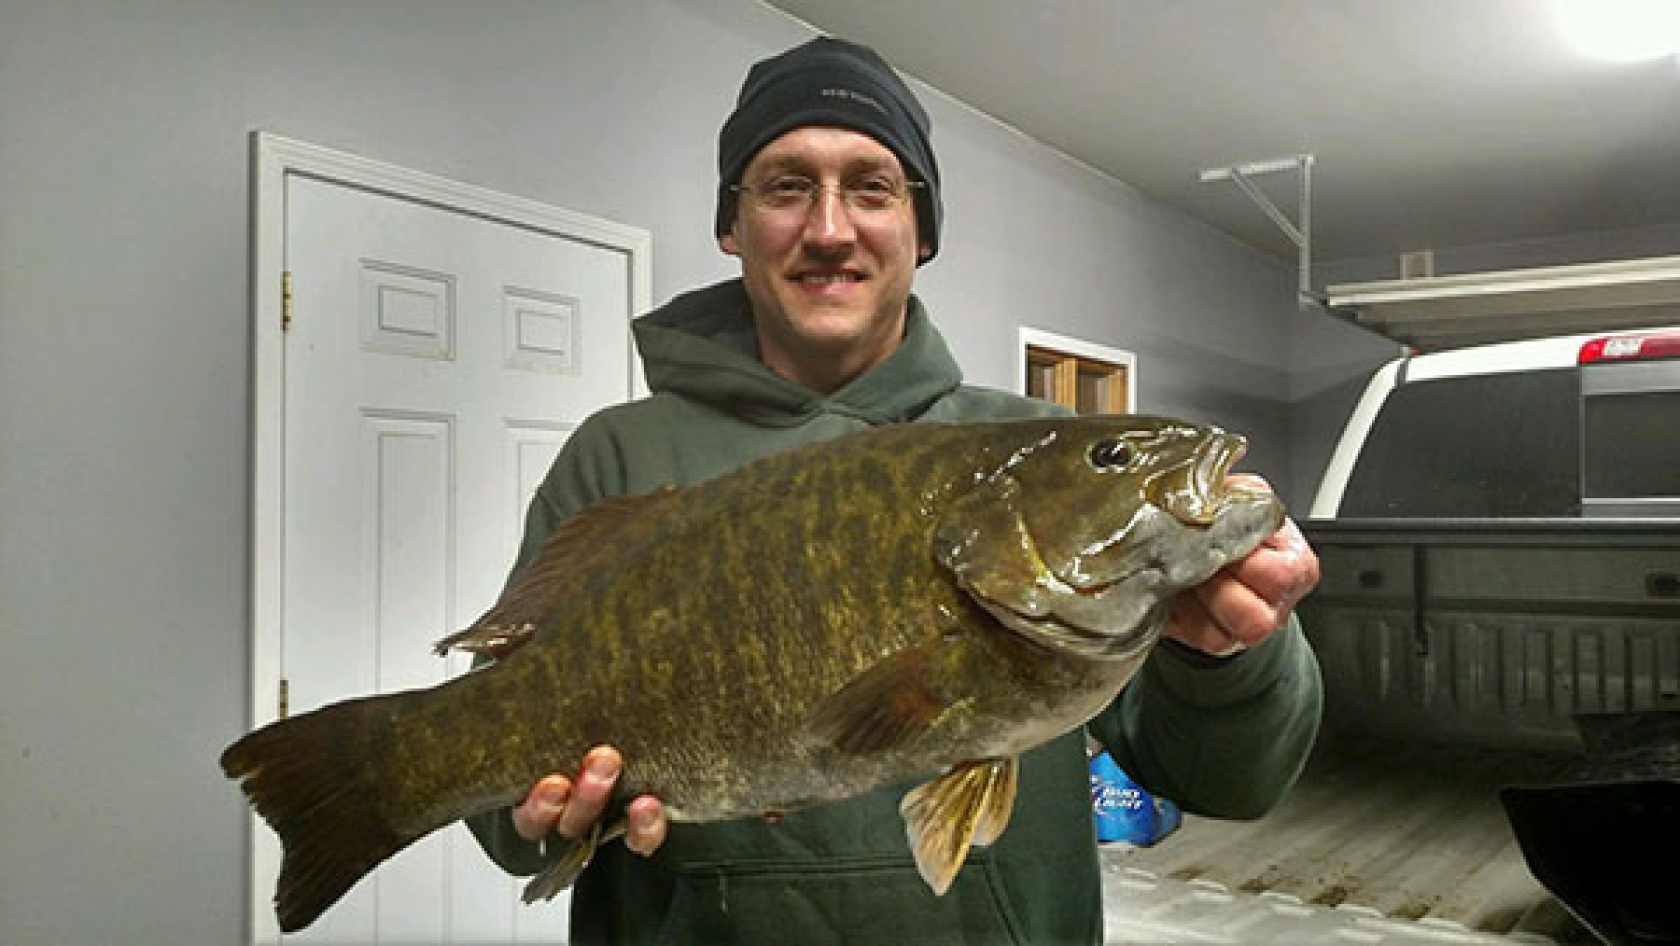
point(730, 240)
point(924, 249)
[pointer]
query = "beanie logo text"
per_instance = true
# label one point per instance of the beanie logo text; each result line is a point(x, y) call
point(855, 97)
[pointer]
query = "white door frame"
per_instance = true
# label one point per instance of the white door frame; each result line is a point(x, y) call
point(273, 158)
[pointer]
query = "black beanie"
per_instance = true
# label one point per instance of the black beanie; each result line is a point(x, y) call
point(834, 83)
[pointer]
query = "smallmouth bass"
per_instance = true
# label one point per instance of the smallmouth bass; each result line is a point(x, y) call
point(909, 601)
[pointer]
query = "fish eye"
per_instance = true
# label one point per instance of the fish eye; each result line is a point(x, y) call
point(1107, 453)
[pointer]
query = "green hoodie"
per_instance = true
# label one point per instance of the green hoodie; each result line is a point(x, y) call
point(1224, 737)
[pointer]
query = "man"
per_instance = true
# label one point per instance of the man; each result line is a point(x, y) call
point(829, 196)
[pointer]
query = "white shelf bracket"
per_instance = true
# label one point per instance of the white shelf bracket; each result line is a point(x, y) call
point(1299, 231)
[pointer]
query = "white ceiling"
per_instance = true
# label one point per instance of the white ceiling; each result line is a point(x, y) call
point(1434, 123)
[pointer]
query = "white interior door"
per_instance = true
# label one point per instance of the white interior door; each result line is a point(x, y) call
point(434, 362)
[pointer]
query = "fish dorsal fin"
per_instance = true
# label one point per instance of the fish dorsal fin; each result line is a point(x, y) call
point(886, 706)
point(561, 563)
point(969, 804)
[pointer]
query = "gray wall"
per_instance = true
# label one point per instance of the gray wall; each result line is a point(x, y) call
point(125, 385)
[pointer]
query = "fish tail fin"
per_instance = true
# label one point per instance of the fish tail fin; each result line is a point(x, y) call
point(309, 777)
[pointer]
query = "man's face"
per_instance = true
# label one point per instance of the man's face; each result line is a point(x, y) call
point(828, 283)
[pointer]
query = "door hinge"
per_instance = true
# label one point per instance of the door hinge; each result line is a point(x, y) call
point(285, 301)
point(285, 697)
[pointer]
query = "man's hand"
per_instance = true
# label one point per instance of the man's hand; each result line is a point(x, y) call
point(572, 806)
point(1249, 599)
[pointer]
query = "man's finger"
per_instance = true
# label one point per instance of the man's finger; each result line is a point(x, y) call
point(590, 792)
point(645, 825)
point(1281, 570)
point(1235, 610)
point(535, 816)
point(1191, 625)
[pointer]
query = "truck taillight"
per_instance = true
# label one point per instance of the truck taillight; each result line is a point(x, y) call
point(1631, 347)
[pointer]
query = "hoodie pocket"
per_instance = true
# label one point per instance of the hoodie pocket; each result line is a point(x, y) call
point(843, 901)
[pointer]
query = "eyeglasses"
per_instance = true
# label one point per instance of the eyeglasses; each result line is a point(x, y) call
point(870, 193)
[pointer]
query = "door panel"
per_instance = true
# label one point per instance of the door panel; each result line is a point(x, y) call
point(435, 362)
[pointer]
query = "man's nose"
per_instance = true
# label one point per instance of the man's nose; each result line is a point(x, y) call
point(829, 219)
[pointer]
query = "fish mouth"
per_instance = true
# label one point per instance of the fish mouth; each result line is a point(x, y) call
point(1204, 492)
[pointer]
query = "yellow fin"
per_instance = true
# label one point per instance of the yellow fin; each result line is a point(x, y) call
point(563, 561)
point(970, 804)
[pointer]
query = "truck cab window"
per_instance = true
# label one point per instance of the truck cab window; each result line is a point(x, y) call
point(1633, 445)
point(1481, 446)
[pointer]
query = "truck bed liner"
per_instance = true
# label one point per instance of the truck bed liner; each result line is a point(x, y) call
point(1381, 841)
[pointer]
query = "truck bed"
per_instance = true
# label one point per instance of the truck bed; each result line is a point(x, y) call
point(1381, 841)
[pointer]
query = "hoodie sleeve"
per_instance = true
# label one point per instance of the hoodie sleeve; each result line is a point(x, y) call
point(1225, 737)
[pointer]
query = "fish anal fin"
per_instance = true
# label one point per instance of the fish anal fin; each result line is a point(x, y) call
point(884, 707)
point(565, 870)
point(969, 804)
point(563, 561)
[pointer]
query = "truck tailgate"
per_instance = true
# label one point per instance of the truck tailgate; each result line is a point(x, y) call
point(1494, 632)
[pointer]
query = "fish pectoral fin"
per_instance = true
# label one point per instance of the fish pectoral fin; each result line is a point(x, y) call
point(884, 707)
point(565, 558)
point(969, 804)
point(565, 871)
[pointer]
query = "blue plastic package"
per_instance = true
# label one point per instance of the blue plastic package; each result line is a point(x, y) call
point(1124, 810)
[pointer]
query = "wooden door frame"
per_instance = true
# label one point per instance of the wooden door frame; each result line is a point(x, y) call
point(273, 158)
point(1038, 338)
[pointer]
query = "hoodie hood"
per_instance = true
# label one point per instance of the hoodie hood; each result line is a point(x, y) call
point(702, 346)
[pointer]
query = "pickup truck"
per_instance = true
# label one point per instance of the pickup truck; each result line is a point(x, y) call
point(1499, 534)
point(1499, 530)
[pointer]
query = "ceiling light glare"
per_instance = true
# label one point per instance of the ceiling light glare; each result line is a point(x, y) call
point(1621, 30)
